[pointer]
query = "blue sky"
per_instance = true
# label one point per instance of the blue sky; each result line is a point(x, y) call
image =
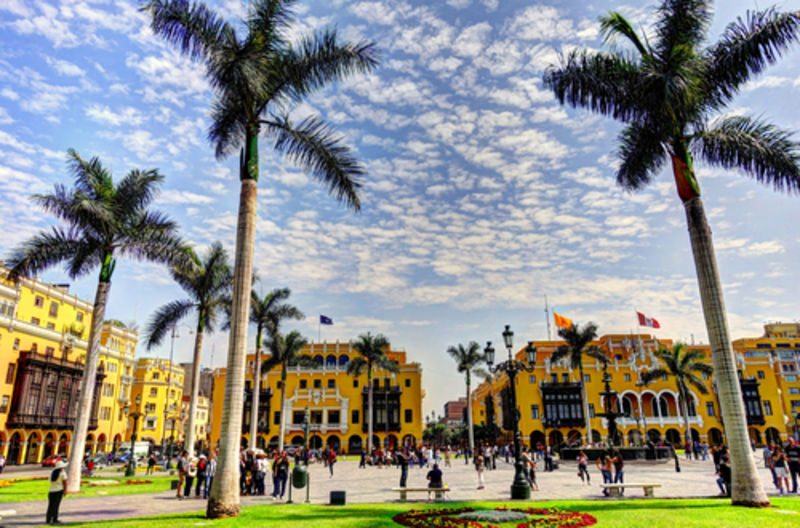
point(482, 193)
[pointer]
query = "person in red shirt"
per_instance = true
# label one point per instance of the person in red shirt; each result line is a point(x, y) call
point(331, 460)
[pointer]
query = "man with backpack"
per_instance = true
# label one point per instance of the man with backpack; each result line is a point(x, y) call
point(181, 473)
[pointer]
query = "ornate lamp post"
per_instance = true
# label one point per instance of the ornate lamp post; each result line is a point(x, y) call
point(131, 469)
point(519, 488)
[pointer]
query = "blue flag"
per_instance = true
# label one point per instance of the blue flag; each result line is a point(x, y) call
point(325, 320)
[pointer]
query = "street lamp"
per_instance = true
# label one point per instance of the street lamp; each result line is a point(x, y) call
point(131, 469)
point(519, 488)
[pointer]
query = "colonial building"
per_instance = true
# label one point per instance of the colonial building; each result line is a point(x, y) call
point(336, 402)
point(550, 405)
point(454, 413)
point(43, 333)
point(160, 384)
point(202, 423)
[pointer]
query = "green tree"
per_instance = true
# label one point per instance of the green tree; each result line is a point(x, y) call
point(578, 345)
point(666, 91)
point(267, 313)
point(372, 355)
point(683, 365)
point(256, 74)
point(468, 358)
point(102, 221)
point(207, 282)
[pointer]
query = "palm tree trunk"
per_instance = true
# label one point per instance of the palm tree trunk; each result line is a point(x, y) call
point(282, 428)
point(588, 438)
point(224, 498)
point(256, 395)
point(78, 444)
point(683, 394)
point(747, 489)
point(189, 435)
point(471, 433)
point(369, 406)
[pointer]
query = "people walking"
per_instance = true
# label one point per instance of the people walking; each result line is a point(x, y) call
point(280, 474)
point(331, 460)
point(548, 458)
point(182, 466)
point(583, 471)
point(780, 469)
point(793, 458)
point(604, 464)
point(58, 488)
point(402, 461)
point(211, 470)
point(479, 467)
point(151, 464)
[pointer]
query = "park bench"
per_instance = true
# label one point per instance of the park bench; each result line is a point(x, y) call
point(438, 492)
point(614, 489)
point(7, 513)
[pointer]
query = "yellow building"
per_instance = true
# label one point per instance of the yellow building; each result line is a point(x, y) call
point(336, 402)
point(551, 409)
point(202, 423)
point(43, 333)
point(160, 385)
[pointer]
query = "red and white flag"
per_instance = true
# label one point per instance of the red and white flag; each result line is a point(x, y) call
point(647, 321)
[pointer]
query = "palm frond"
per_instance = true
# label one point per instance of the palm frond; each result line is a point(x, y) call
point(648, 376)
point(227, 130)
point(164, 318)
point(682, 23)
point(269, 20)
point(559, 354)
point(761, 150)
point(159, 246)
point(696, 382)
point(357, 366)
point(641, 154)
point(197, 30)
point(615, 25)
point(313, 145)
point(45, 250)
point(138, 189)
point(598, 354)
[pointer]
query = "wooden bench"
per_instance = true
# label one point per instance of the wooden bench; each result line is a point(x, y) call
point(438, 492)
point(615, 489)
point(7, 513)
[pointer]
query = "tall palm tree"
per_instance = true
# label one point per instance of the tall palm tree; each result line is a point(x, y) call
point(256, 74)
point(467, 359)
point(578, 345)
point(267, 313)
point(666, 91)
point(683, 365)
point(285, 351)
point(207, 282)
point(103, 221)
point(371, 350)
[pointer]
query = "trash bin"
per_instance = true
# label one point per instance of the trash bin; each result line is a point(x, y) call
point(174, 484)
point(338, 498)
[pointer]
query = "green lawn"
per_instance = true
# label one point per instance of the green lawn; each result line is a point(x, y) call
point(31, 490)
point(621, 514)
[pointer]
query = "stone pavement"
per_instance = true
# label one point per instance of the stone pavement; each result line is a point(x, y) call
point(696, 479)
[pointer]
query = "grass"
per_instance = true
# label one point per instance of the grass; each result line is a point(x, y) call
point(33, 490)
point(708, 513)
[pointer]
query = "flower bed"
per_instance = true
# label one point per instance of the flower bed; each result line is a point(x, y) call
point(7, 482)
point(540, 518)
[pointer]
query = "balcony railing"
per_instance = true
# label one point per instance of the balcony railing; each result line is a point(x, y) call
point(394, 389)
point(33, 421)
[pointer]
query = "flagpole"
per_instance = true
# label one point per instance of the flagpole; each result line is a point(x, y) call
point(547, 317)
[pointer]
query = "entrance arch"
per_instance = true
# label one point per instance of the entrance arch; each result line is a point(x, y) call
point(34, 443)
point(49, 445)
point(14, 448)
point(101, 443)
point(392, 442)
point(673, 437)
point(63, 445)
point(654, 435)
point(695, 435)
point(354, 445)
point(574, 438)
point(634, 437)
point(537, 437)
point(772, 436)
point(715, 436)
point(297, 441)
point(90, 445)
point(408, 441)
point(555, 439)
point(315, 442)
point(334, 443)
point(755, 436)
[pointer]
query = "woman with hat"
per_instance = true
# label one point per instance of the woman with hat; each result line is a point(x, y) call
point(58, 488)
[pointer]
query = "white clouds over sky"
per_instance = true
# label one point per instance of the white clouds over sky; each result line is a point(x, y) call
point(482, 193)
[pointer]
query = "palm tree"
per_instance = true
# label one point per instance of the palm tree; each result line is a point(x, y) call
point(681, 364)
point(256, 76)
point(666, 92)
point(267, 313)
point(207, 283)
point(285, 351)
point(371, 352)
point(103, 221)
point(578, 344)
point(467, 359)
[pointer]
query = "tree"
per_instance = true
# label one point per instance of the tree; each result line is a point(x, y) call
point(467, 359)
point(256, 74)
point(666, 92)
point(267, 313)
point(207, 282)
point(578, 344)
point(103, 221)
point(371, 352)
point(683, 365)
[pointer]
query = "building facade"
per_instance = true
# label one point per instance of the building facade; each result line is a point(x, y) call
point(335, 402)
point(454, 413)
point(202, 423)
point(160, 385)
point(43, 338)
point(551, 410)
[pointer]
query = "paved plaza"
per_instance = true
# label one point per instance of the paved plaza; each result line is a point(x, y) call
point(696, 479)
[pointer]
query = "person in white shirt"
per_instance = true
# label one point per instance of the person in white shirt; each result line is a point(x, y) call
point(58, 488)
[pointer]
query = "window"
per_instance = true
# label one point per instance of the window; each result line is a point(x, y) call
point(150, 408)
point(79, 317)
point(354, 417)
point(156, 375)
point(35, 320)
point(760, 374)
point(51, 326)
point(767, 408)
point(553, 378)
point(792, 390)
point(303, 384)
point(10, 373)
point(297, 417)
point(108, 389)
point(16, 344)
point(627, 377)
point(355, 383)
point(105, 413)
point(316, 417)
point(317, 383)
point(276, 418)
point(38, 301)
point(408, 382)
point(409, 415)
point(53, 309)
point(534, 412)
point(331, 383)
point(150, 422)
point(565, 378)
point(587, 378)
point(334, 417)
point(791, 378)
point(591, 410)
point(4, 405)
point(532, 379)
point(153, 391)
point(172, 393)
point(49, 351)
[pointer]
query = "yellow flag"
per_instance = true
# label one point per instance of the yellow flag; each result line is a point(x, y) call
point(561, 321)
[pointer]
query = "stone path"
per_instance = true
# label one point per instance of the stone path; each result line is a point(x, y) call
point(696, 479)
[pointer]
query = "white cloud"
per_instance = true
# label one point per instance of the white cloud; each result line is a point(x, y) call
point(5, 119)
point(471, 41)
point(124, 116)
point(65, 67)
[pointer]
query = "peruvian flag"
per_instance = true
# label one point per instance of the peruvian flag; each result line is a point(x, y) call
point(647, 321)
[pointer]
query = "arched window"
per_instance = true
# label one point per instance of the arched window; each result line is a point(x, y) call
point(319, 360)
point(662, 402)
point(344, 359)
point(654, 402)
point(627, 408)
point(330, 361)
